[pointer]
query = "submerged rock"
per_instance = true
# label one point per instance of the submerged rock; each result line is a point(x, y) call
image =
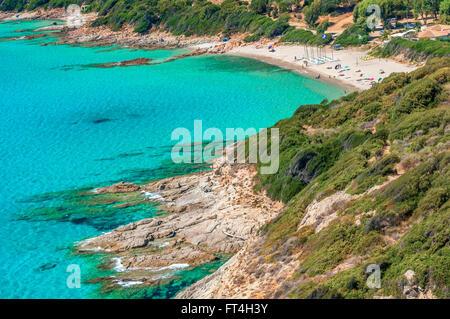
point(46, 266)
point(138, 61)
point(120, 187)
point(101, 121)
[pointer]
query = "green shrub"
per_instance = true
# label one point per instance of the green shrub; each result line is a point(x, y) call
point(259, 6)
point(417, 97)
point(416, 50)
point(142, 27)
point(355, 35)
point(323, 26)
point(338, 155)
point(305, 37)
point(252, 38)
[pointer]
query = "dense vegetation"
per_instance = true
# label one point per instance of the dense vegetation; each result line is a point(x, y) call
point(403, 9)
point(355, 35)
point(261, 18)
point(400, 128)
point(178, 16)
point(305, 37)
point(415, 50)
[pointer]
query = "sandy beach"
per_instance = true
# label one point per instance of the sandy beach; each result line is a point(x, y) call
point(355, 72)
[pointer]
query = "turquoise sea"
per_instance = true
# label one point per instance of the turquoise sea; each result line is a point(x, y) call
point(67, 127)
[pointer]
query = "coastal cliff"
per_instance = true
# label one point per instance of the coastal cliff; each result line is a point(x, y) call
point(365, 180)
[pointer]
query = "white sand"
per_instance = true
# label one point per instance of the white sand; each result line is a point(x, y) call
point(284, 56)
point(208, 44)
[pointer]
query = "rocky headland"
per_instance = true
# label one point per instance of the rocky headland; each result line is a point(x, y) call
point(208, 213)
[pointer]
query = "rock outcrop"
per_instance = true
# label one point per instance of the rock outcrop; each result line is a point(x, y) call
point(120, 187)
point(208, 213)
point(246, 275)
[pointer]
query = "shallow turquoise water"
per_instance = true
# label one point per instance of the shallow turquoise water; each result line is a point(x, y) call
point(65, 125)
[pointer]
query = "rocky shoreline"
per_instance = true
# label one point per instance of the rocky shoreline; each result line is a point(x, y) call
point(103, 36)
point(57, 14)
point(208, 214)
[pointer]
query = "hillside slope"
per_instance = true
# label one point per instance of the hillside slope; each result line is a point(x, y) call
point(366, 181)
